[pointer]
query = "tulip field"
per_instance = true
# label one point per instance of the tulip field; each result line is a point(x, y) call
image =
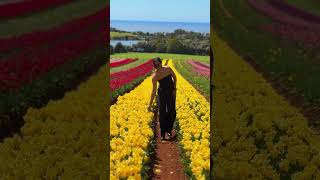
point(200, 68)
point(124, 80)
point(281, 41)
point(193, 116)
point(121, 78)
point(65, 139)
point(256, 133)
point(132, 125)
point(53, 71)
point(40, 61)
point(259, 129)
point(121, 62)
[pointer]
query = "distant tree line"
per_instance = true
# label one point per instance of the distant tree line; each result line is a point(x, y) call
point(116, 30)
point(178, 42)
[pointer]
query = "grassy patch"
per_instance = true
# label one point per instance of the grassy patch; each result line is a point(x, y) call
point(202, 83)
point(121, 35)
point(205, 59)
point(183, 157)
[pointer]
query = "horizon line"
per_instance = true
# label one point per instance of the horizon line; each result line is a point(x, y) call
point(178, 21)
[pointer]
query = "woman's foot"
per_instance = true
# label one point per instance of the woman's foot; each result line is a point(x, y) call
point(163, 137)
point(172, 134)
point(169, 136)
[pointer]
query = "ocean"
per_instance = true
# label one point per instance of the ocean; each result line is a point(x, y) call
point(152, 26)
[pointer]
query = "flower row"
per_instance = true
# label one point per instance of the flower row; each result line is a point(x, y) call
point(307, 38)
point(26, 67)
point(193, 116)
point(197, 63)
point(24, 7)
point(200, 68)
point(37, 38)
point(131, 132)
point(65, 139)
point(256, 133)
point(122, 62)
point(121, 78)
point(284, 6)
point(287, 24)
point(278, 15)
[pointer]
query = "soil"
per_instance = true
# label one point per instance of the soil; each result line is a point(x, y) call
point(167, 164)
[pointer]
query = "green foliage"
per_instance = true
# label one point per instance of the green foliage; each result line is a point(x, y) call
point(179, 42)
point(111, 49)
point(122, 36)
point(120, 48)
point(161, 46)
point(200, 82)
point(183, 157)
point(174, 46)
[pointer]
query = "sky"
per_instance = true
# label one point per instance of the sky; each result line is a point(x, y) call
point(161, 10)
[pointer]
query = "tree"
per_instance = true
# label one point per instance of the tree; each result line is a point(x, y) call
point(120, 48)
point(174, 46)
point(161, 47)
point(144, 47)
point(111, 49)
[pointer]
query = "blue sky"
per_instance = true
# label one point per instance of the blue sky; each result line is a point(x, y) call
point(161, 10)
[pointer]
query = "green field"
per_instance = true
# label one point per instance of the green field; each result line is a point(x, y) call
point(122, 35)
point(205, 59)
point(201, 83)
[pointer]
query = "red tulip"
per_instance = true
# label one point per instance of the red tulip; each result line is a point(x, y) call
point(122, 62)
point(121, 78)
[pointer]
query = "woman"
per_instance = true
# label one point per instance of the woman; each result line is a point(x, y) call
point(166, 96)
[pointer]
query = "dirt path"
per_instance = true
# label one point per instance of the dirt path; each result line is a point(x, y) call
point(167, 164)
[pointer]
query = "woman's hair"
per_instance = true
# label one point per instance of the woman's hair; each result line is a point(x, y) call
point(155, 60)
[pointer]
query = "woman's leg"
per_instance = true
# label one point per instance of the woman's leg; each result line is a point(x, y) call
point(162, 115)
point(172, 112)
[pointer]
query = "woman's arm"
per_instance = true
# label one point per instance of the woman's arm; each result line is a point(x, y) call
point(153, 93)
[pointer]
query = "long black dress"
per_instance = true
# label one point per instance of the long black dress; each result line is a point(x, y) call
point(167, 104)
